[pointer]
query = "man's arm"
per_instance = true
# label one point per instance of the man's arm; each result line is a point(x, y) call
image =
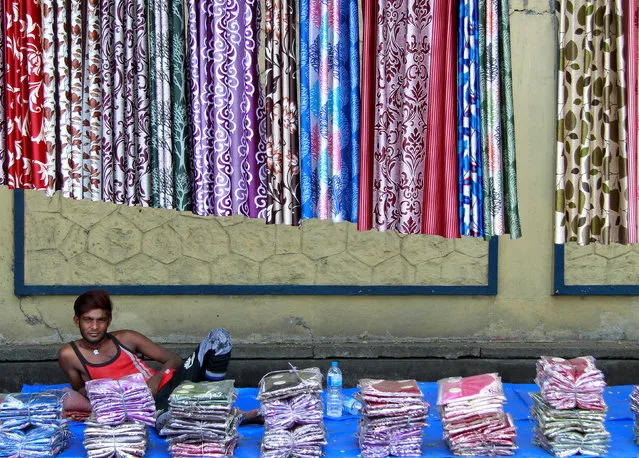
point(141, 344)
point(67, 362)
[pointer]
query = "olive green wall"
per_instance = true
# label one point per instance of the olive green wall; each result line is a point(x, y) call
point(524, 309)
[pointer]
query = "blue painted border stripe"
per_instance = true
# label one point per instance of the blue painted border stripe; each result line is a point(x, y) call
point(561, 289)
point(23, 289)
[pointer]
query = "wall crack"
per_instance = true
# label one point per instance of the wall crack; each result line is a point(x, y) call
point(35, 320)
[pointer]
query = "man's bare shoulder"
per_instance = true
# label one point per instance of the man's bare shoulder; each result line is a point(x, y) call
point(67, 357)
point(128, 337)
point(65, 352)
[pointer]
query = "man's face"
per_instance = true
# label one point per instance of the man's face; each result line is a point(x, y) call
point(93, 325)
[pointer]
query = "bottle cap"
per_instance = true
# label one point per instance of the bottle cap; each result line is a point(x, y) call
point(334, 364)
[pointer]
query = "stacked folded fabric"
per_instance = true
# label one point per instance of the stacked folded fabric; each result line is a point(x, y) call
point(393, 418)
point(34, 442)
point(21, 410)
point(473, 418)
point(293, 414)
point(570, 410)
point(125, 440)
point(634, 406)
point(32, 425)
point(116, 401)
point(202, 420)
point(569, 384)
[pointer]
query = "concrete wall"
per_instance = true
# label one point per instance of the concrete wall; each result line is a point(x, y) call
point(523, 311)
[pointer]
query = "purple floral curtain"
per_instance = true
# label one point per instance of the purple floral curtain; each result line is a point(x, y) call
point(227, 113)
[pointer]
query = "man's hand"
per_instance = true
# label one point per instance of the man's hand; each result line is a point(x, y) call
point(154, 382)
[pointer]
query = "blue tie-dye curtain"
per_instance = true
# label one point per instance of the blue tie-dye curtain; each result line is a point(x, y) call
point(330, 104)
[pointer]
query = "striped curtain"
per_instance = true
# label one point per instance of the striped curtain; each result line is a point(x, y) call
point(229, 160)
point(367, 114)
point(591, 197)
point(441, 209)
point(282, 141)
point(329, 50)
point(26, 148)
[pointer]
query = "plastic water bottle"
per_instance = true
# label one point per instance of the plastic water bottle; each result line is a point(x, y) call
point(334, 391)
point(353, 406)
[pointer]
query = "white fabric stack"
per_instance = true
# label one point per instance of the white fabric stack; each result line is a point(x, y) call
point(293, 414)
point(393, 418)
point(570, 410)
point(473, 418)
point(125, 440)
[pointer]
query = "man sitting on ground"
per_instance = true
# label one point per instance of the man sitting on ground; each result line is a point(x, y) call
point(102, 354)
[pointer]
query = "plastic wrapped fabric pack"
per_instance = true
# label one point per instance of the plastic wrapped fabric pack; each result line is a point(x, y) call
point(285, 384)
point(35, 442)
point(121, 441)
point(381, 441)
point(303, 409)
point(21, 410)
point(573, 383)
point(570, 410)
point(304, 441)
point(634, 407)
point(202, 420)
point(293, 413)
point(199, 449)
point(473, 418)
point(117, 401)
point(221, 392)
point(393, 418)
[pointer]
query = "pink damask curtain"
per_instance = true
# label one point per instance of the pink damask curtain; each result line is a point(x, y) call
point(404, 43)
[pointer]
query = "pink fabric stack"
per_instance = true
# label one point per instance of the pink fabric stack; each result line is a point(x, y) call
point(570, 410)
point(393, 418)
point(573, 383)
point(473, 418)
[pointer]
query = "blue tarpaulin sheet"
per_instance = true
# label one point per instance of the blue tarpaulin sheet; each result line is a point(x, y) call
point(341, 433)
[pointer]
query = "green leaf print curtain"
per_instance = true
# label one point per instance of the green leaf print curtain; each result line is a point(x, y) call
point(591, 183)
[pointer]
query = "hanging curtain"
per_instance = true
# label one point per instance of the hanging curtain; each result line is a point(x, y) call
point(282, 143)
point(630, 50)
point(25, 143)
point(499, 187)
point(329, 51)
point(3, 126)
point(126, 164)
point(591, 196)
point(227, 113)
point(169, 127)
point(367, 112)
point(403, 63)
point(469, 125)
point(441, 212)
point(180, 131)
point(73, 97)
